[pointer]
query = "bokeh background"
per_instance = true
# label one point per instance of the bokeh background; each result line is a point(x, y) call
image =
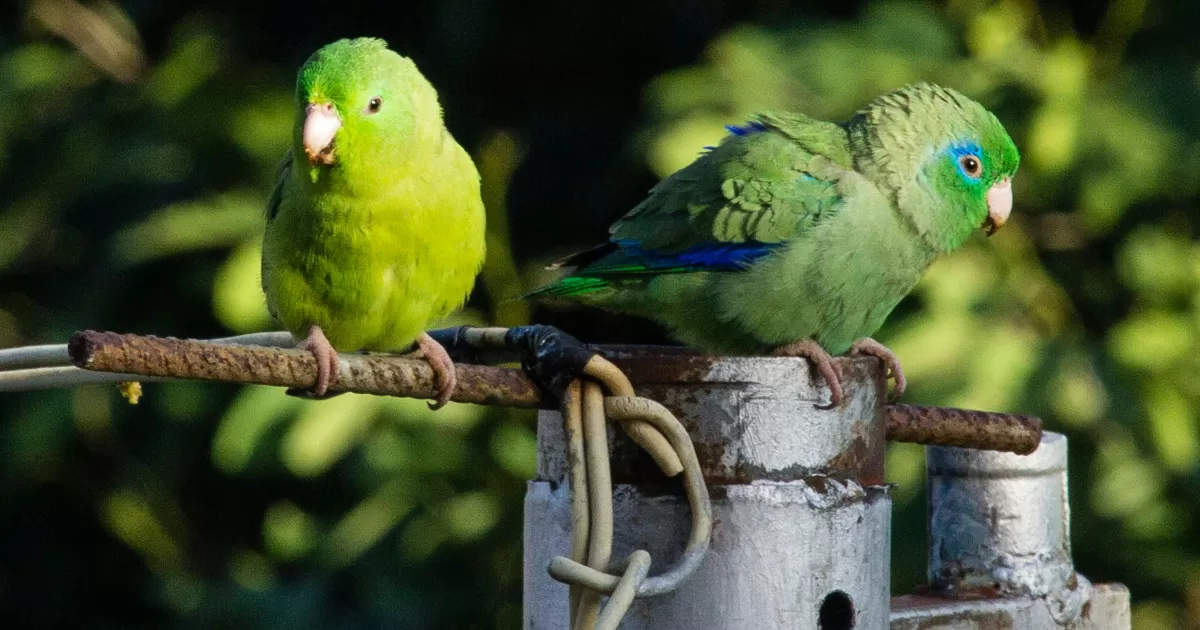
point(137, 145)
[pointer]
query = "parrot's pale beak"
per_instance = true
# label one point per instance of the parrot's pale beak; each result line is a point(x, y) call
point(321, 124)
point(999, 201)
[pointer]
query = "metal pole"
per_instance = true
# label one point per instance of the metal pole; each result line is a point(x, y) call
point(1000, 546)
point(802, 537)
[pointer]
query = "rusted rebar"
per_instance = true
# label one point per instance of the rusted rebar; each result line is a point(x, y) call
point(166, 357)
point(945, 426)
point(366, 374)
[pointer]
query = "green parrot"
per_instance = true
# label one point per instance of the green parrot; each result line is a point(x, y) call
point(379, 230)
point(798, 237)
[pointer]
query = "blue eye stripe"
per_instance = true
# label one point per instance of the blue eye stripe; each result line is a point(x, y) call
point(959, 150)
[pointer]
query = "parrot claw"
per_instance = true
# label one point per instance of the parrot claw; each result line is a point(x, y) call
point(822, 361)
point(327, 364)
point(443, 368)
point(870, 347)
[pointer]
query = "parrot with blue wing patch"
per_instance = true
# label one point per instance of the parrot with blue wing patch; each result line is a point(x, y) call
point(376, 226)
point(797, 237)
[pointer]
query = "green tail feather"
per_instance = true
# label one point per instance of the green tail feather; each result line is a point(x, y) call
point(570, 286)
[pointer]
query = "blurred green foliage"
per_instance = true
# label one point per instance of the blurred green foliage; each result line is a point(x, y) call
point(137, 147)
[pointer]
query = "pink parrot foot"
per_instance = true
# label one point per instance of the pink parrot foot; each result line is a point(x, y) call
point(870, 347)
point(819, 359)
point(327, 364)
point(443, 368)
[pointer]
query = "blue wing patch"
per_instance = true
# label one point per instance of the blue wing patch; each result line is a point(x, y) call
point(708, 257)
point(747, 129)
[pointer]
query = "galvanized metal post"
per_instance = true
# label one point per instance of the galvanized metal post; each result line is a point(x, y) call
point(1000, 547)
point(802, 536)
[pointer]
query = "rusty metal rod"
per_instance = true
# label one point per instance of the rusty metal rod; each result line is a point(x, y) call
point(366, 374)
point(167, 357)
point(945, 426)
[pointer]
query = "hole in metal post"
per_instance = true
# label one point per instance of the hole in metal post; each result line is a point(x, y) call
point(837, 612)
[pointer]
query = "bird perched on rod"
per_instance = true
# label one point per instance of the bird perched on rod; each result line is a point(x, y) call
point(797, 236)
point(376, 226)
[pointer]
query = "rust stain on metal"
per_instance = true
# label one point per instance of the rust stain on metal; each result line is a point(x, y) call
point(682, 381)
point(818, 483)
point(977, 619)
point(860, 461)
point(633, 466)
point(670, 368)
point(863, 457)
point(712, 457)
point(960, 589)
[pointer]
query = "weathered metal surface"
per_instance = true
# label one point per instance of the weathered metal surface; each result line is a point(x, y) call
point(800, 517)
point(1108, 609)
point(749, 418)
point(905, 423)
point(779, 550)
point(1000, 523)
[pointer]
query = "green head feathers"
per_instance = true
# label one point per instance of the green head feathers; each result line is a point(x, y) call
point(945, 159)
point(360, 107)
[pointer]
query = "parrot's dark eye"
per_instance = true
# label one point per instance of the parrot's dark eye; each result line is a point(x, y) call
point(970, 165)
point(374, 104)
